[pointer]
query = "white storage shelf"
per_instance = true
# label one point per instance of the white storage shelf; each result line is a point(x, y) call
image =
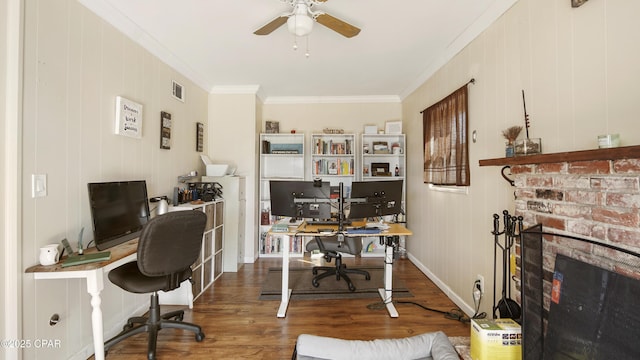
point(383, 151)
point(281, 158)
point(208, 266)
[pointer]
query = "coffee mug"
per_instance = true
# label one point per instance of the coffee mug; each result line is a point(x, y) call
point(49, 254)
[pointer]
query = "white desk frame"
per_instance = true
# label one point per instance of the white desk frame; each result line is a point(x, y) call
point(95, 285)
point(94, 275)
point(386, 294)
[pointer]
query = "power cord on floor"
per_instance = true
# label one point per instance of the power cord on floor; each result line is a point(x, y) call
point(453, 314)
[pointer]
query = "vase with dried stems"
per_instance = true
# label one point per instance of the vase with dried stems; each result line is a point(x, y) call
point(511, 134)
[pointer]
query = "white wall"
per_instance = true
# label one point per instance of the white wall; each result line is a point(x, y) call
point(232, 140)
point(75, 65)
point(579, 69)
point(312, 118)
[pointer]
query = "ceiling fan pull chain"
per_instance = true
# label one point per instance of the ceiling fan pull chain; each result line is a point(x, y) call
point(308, 53)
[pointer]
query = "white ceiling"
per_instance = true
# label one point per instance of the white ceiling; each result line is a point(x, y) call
point(211, 42)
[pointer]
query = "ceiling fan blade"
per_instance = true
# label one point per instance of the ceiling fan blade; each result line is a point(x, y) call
point(338, 25)
point(270, 27)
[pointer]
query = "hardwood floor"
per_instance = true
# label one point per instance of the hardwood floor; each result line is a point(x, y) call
point(239, 326)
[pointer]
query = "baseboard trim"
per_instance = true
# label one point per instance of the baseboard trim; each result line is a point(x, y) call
point(469, 310)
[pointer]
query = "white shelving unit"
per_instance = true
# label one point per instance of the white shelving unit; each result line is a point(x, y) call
point(281, 158)
point(234, 194)
point(380, 150)
point(382, 158)
point(333, 158)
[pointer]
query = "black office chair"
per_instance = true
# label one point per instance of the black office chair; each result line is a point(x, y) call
point(332, 248)
point(169, 244)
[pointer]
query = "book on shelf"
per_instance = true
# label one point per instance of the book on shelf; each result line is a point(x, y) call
point(285, 152)
point(333, 167)
point(330, 147)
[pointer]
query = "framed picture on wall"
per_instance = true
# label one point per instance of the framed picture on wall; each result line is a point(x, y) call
point(128, 118)
point(199, 137)
point(165, 130)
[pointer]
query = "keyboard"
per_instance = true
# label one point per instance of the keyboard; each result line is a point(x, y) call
point(363, 231)
point(86, 258)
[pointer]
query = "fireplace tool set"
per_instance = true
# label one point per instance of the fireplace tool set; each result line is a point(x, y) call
point(507, 307)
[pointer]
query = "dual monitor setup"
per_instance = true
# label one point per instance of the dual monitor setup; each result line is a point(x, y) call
point(321, 203)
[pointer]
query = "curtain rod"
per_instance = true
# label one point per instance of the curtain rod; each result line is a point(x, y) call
point(472, 81)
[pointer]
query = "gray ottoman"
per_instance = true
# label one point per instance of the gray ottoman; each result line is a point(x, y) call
point(429, 346)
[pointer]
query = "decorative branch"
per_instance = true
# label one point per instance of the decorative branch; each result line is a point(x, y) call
point(526, 116)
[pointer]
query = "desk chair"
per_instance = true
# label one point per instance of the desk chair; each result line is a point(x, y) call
point(168, 245)
point(331, 247)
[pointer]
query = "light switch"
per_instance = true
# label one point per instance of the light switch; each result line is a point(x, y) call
point(38, 185)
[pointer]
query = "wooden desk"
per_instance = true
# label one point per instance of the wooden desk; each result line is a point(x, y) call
point(93, 273)
point(312, 230)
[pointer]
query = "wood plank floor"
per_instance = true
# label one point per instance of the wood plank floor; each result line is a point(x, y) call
point(239, 326)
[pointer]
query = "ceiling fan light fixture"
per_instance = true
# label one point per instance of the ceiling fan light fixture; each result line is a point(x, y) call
point(300, 25)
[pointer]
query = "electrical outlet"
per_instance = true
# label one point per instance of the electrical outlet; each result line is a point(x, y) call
point(480, 279)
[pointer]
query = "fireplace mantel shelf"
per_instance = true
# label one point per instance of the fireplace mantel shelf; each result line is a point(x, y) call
point(625, 152)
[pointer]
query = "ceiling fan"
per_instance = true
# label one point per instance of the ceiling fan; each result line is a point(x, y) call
point(300, 20)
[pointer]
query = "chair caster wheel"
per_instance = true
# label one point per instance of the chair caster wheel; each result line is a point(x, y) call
point(314, 271)
point(199, 337)
point(179, 318)
point(127, 326)
point(315, 283)
point(352, 288)
point(367, 277)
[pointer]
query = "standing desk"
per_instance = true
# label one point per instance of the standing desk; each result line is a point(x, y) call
point(312, 230)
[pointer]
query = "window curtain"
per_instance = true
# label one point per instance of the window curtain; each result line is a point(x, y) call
point(446, 154)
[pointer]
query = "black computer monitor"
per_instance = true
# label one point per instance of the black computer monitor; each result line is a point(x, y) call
point(119, 211)
point(375, 198)
point(300, 199)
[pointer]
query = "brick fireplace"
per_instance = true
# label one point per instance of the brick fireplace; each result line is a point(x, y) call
point(593, 194)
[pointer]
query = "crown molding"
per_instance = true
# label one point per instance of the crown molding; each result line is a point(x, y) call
point(332, 99)
point(493, 13)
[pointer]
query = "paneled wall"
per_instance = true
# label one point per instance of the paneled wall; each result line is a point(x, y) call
point(578, 67)
point(75, 65)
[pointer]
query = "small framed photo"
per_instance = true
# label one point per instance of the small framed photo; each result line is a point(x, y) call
point(199, 137)
point(165, 130)
point(177, 90)
point(380, 169)
point(393, 127)
point(272, 127)
point(370, 129)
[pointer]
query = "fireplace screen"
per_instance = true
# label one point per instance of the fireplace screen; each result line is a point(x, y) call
point(593, 312)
